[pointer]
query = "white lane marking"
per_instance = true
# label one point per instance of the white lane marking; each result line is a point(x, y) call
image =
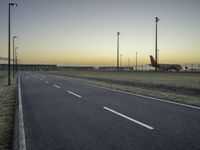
point(22, 139)
point(148, 97)
point(47, 82)
point(41, 79)
point(56, 86)
point(129, 118)
point(27, 77)
point(74, 94)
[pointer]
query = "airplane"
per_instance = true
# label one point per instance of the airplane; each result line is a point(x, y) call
point(165, 67)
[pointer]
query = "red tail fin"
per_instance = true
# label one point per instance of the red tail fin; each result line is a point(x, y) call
point(153, 62)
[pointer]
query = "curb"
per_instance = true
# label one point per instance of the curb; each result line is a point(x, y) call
point(19, 142)
point(15, 145)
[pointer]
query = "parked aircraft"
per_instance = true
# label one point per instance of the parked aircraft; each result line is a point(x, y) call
point(165, 67)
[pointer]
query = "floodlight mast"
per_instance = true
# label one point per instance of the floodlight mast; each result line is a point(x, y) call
point(156, 50)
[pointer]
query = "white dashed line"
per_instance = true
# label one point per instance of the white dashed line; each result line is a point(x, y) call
point(41, 79)
point(27, 77)
point(131, 119)
point(56, 86)
point(47, 82)
point(74, 94)
point(147, 97)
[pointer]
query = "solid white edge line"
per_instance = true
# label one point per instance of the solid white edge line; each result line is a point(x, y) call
point(148, 97)
point(74, 94)
point(22, 139)
point(56, 86)
point(129, 118)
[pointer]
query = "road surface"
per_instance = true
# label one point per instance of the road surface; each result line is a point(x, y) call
point(66, 115)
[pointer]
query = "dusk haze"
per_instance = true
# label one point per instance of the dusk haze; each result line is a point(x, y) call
point(84, 32)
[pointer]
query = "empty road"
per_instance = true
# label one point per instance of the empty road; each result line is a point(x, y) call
point(66, 115)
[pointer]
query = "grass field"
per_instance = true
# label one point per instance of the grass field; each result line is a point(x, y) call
point(7, 105)
point(180, 87)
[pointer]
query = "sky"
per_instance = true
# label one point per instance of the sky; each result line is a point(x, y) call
point(84, 32)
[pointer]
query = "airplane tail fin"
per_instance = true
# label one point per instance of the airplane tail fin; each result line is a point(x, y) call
point(153, 61)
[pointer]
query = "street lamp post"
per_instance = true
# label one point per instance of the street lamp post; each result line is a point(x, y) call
point(128, 62)
point(120, 60)
point(14, 55)
point(10, 4)
point(118, 50)
point(16, 59)
point(158, 56)
point(156, 50)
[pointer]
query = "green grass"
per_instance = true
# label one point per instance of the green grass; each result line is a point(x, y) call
point(7, 105)
point(179, 87)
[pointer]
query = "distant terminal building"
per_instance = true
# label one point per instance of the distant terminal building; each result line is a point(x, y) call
point(90, 68)
point(76, 68)
point(115, 68)
point(33, 67)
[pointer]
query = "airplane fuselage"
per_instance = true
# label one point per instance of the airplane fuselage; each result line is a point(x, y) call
point(165, 67)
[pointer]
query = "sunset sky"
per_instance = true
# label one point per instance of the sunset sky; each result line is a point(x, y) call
point(84, 32)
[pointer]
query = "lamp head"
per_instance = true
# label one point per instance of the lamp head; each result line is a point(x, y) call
point(13, 4)
point(15, 37)
point(157, 19)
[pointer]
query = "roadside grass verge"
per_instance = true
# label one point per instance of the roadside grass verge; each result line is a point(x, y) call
point(7, 108)
point(178, 87)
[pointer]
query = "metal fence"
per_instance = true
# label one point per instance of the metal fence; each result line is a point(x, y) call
point(145, 67)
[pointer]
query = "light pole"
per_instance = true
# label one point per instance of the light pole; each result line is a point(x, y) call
point(10, 4)
point(136, 61)
point(120, 60)
point(16, 59)
point(14, 55)
point(158, 56)
point(128, 62)
point(118, 50)
point(157, 19)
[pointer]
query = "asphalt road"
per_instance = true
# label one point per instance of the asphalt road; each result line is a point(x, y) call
point(67, 115)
